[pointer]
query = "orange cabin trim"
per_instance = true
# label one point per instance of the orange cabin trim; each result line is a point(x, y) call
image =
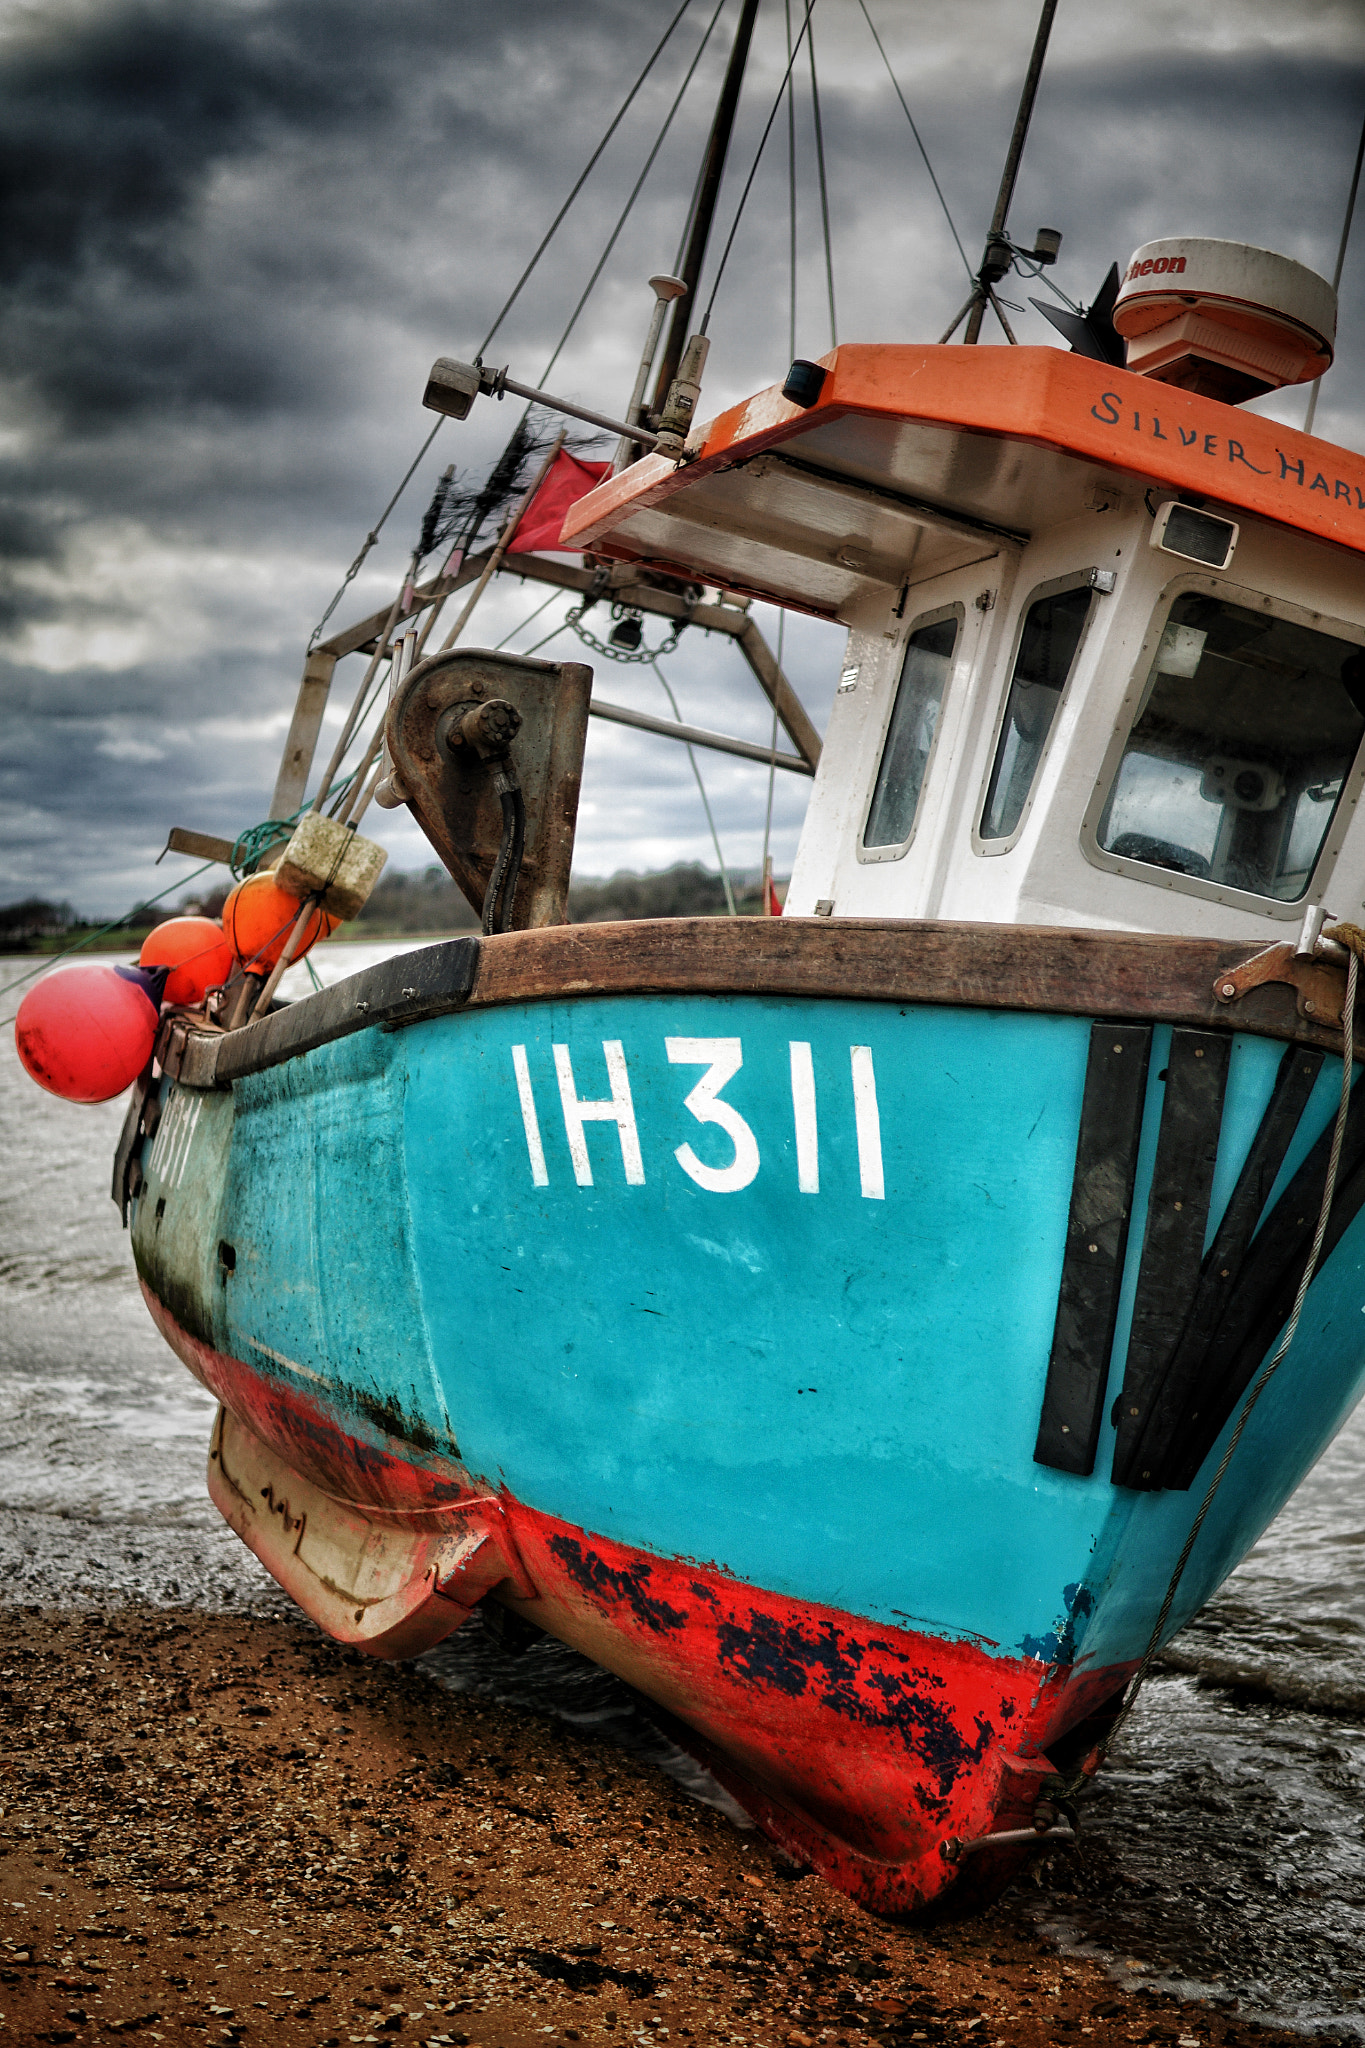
point(1154, 432)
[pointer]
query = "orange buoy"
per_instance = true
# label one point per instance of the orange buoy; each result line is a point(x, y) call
point(258, 918)
point(198, 953)
point(85, 1033)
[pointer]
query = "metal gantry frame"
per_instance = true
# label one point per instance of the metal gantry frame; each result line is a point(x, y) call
point(382, 629)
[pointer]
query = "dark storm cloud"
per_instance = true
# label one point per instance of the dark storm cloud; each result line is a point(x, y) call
point(150, 284)
point(234, 233)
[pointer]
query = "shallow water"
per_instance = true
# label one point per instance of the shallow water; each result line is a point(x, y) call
point(1224, 1846)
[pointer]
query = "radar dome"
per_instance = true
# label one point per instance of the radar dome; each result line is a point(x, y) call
point(1224, 319)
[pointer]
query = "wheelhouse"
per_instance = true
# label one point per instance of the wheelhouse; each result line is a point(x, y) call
point(1106, 653)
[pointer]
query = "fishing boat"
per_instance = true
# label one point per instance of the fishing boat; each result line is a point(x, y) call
point(836, 1323)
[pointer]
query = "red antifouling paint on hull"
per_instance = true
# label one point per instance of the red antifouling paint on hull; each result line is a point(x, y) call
point(861, 1749)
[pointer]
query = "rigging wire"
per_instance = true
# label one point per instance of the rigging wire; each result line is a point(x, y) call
point(553, 228)
point(730, 909)
point(791, 193)
point(824, 189)
point(772, 775)
point(372, 536)
point(634, 195)
point(487, 497)
point(919, 140)
point(51, 959)
point(527, 620)
point(1311, 414)
point(753, 168)
point(562, 627)
point(1037, 275)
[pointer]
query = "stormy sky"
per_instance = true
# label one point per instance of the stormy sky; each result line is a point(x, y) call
point(236, 232)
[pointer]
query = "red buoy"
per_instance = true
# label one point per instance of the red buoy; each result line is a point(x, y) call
point(85, 1033)
point(198, 953)
point(258, 918)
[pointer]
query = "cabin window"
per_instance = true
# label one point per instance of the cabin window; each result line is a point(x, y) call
point(910, 734)
point(1247, 730)
point(1048, 640)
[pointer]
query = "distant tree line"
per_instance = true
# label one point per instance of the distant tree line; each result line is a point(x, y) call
point(34, 918)
point(426, 900)
point(419, 900)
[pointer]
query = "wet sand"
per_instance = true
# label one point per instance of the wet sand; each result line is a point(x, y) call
point(214, 1829)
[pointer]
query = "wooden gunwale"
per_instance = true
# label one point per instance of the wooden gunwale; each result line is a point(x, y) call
point(1124, 976)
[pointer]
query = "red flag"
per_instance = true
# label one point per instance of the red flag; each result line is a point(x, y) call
point(568, 481)
point(774, 907)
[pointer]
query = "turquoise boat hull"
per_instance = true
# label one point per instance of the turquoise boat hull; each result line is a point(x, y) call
point(737, 1309)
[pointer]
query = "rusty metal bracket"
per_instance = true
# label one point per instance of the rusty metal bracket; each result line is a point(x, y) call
point(1319, 985)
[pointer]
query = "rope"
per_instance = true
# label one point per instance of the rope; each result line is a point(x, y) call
point(247, 849)
point(753, 168)
point(824, 190)
point(583, 176)
point(730, 909)
point(250, 846)
point(966, 264)
point(1353, 938)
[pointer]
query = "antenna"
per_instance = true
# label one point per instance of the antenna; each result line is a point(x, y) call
point(664, 289)
point(998, 255)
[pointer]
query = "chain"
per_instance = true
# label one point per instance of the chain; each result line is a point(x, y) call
point(639, 656)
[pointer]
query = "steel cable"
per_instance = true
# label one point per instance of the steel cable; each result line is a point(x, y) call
point(634, 195)
point(584, 175)
point(753, 168)
point(730, 909)
point(919, 140)
point(372, 536)
point(824, 189)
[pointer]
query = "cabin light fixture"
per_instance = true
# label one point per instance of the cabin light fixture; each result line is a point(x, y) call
point(1196, 536)
point(803, 383)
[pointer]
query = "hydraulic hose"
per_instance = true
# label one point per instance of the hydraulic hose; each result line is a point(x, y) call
point(502, 883)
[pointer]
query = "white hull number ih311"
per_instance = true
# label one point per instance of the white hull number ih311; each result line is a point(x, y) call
point(722, 1059)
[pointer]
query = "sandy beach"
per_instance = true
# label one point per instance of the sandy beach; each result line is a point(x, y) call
point(218, 1830)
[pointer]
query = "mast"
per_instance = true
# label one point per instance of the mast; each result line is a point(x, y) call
point(992, 268)
point(704, 206)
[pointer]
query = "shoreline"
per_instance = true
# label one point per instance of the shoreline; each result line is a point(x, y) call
point(217, 1829)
